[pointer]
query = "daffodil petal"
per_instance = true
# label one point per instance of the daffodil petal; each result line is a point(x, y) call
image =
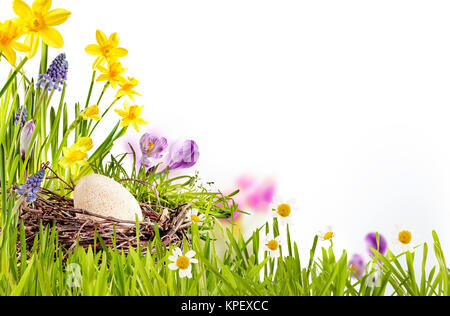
point(32, 40)
point(101, 38)
point(119, 52)
point(52, 37)
point(57, 17)
point(120, 112)
point(42, 6)
point(141, 121)
point(22, 9)
point(93, 50)
point(20, 47)
point(136, 127)
point(10, 55)
point(114, 39)
point(103, 77)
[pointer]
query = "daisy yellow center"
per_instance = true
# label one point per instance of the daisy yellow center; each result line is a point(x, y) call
point(405, 237)
point(150, 147)
point(284, 210)
point(183, 262)
point(195, 218)
point(328, 236)
point(272, 245)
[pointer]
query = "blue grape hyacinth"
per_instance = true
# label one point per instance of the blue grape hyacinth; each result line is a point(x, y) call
point(56, 74)
point(21, 116)
point(31, 187)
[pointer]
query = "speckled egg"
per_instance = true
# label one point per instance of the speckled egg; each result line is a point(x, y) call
point(104, 196)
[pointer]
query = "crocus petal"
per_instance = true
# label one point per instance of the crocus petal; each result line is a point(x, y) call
point(57, 17)
point(184, 155)
point(52, 37)
point(372, 242)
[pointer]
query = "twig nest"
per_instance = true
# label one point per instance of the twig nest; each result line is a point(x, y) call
point(104, 196)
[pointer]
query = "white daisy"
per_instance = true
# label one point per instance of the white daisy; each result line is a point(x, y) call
point(283, 210)
point(182, 262)
point(273, 246)
point(194, 217)
point(405, 238)
point(327, 234)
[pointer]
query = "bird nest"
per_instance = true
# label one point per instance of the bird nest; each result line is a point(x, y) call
point(78, 227)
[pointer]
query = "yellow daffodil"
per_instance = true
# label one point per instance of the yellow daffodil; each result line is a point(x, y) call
point(107, 49)
point(75, 156)
point(126, 88)
point(9, 34)
point(113, 73)
point(85, 144)
point(131, 115)
point(92, 113)
point(38, 22)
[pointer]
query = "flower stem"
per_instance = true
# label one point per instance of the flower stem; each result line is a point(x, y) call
point(11, 78)
point(103, 115)
point(103, 92)
point(90, 89)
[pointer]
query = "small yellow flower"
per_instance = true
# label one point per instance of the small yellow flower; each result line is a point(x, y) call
point(405, 238)
point(92, 113)
point(75, 156)
point(38, 22)
point(85, 144)
point(273, 246)
point(131, 115)
point(126, 88)
point(107, 49)
point(327, 234)
point(113, 73)
point(9, 34)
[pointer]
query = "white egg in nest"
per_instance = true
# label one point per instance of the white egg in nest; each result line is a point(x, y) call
point(106, 197)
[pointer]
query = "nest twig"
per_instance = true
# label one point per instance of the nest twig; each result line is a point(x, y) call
point(54, 210)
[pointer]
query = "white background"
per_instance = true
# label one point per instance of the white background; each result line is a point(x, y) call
point(345, 103)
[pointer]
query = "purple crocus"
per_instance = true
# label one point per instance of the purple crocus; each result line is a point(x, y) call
point(153, 146)
point(372, 242)
point(25, 138)
point(358, 265)
point(183, 155)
